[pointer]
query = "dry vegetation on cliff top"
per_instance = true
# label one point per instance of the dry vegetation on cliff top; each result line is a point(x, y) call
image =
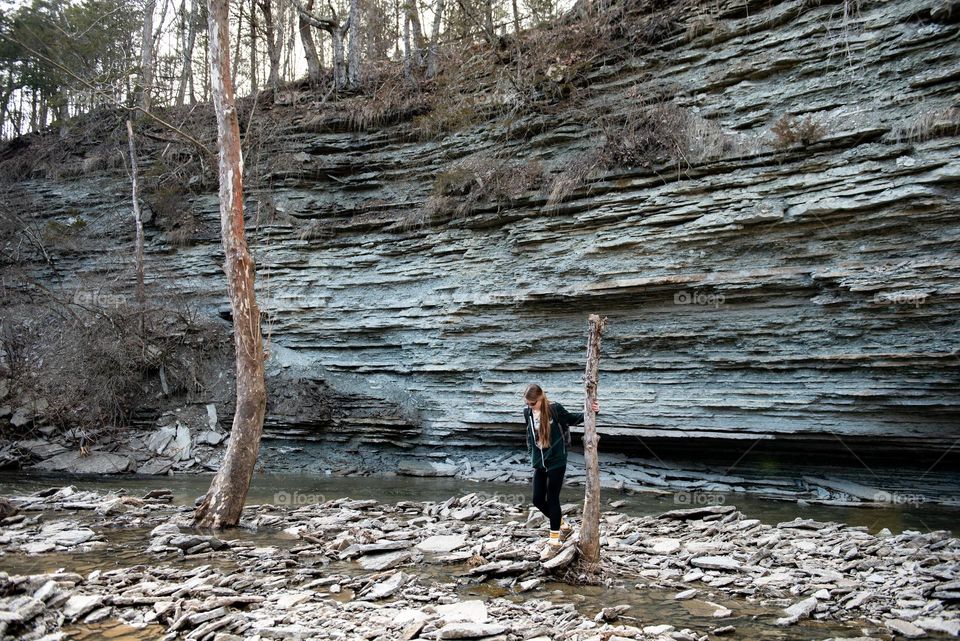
point(537, 71)
point(512, 84)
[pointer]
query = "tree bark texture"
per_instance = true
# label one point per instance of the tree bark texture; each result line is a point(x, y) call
point(223, 504)
point(590, 529)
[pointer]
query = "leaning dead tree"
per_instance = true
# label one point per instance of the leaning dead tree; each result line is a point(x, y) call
point(590, 529)
point(138, 226)
point(223, 504)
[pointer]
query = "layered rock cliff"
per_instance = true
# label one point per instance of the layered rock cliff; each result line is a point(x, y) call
point(758, 285)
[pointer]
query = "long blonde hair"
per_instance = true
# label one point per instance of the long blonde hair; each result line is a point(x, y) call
point(536, 394)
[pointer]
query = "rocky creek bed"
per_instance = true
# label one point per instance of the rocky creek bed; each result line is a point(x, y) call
point(465, 567)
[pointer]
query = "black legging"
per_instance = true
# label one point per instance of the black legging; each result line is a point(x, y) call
point(546, 493)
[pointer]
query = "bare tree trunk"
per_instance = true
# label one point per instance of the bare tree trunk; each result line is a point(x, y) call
point(309, 45)
point(146, 55)
point(274, 42)
point(407, 63)
point(338, 32)
point(191, 85)
point(206, 70)
point(235, 63)
point(320, 50)
point(138, 221)
point(415, 54)
point(516, 17)
point(290, 16)
point(9, 88)
point(396, 27)
point(435, 39)
point(18, 117)
point(590, 529)
point(253, 47)
point(223, 504)
point(187, 76)
point(160, 30)
point(33, 111)
point(339, 73)
point(417, 28)
point(182, 45)
point(353, 68)
point(44, 111)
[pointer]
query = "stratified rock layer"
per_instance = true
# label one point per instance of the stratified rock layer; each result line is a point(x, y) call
point(809, 292)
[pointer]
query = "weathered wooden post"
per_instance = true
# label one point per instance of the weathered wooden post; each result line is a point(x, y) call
point(590, 529)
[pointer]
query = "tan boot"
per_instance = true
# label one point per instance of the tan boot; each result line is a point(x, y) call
point(552, 547)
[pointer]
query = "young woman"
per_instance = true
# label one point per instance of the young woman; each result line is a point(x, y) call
point(548, 455)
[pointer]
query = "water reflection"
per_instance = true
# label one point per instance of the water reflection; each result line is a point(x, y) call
point(294, 490)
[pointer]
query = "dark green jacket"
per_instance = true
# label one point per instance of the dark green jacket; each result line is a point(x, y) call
point(555, 456)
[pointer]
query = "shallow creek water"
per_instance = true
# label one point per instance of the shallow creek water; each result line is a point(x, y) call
point(752, 619)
